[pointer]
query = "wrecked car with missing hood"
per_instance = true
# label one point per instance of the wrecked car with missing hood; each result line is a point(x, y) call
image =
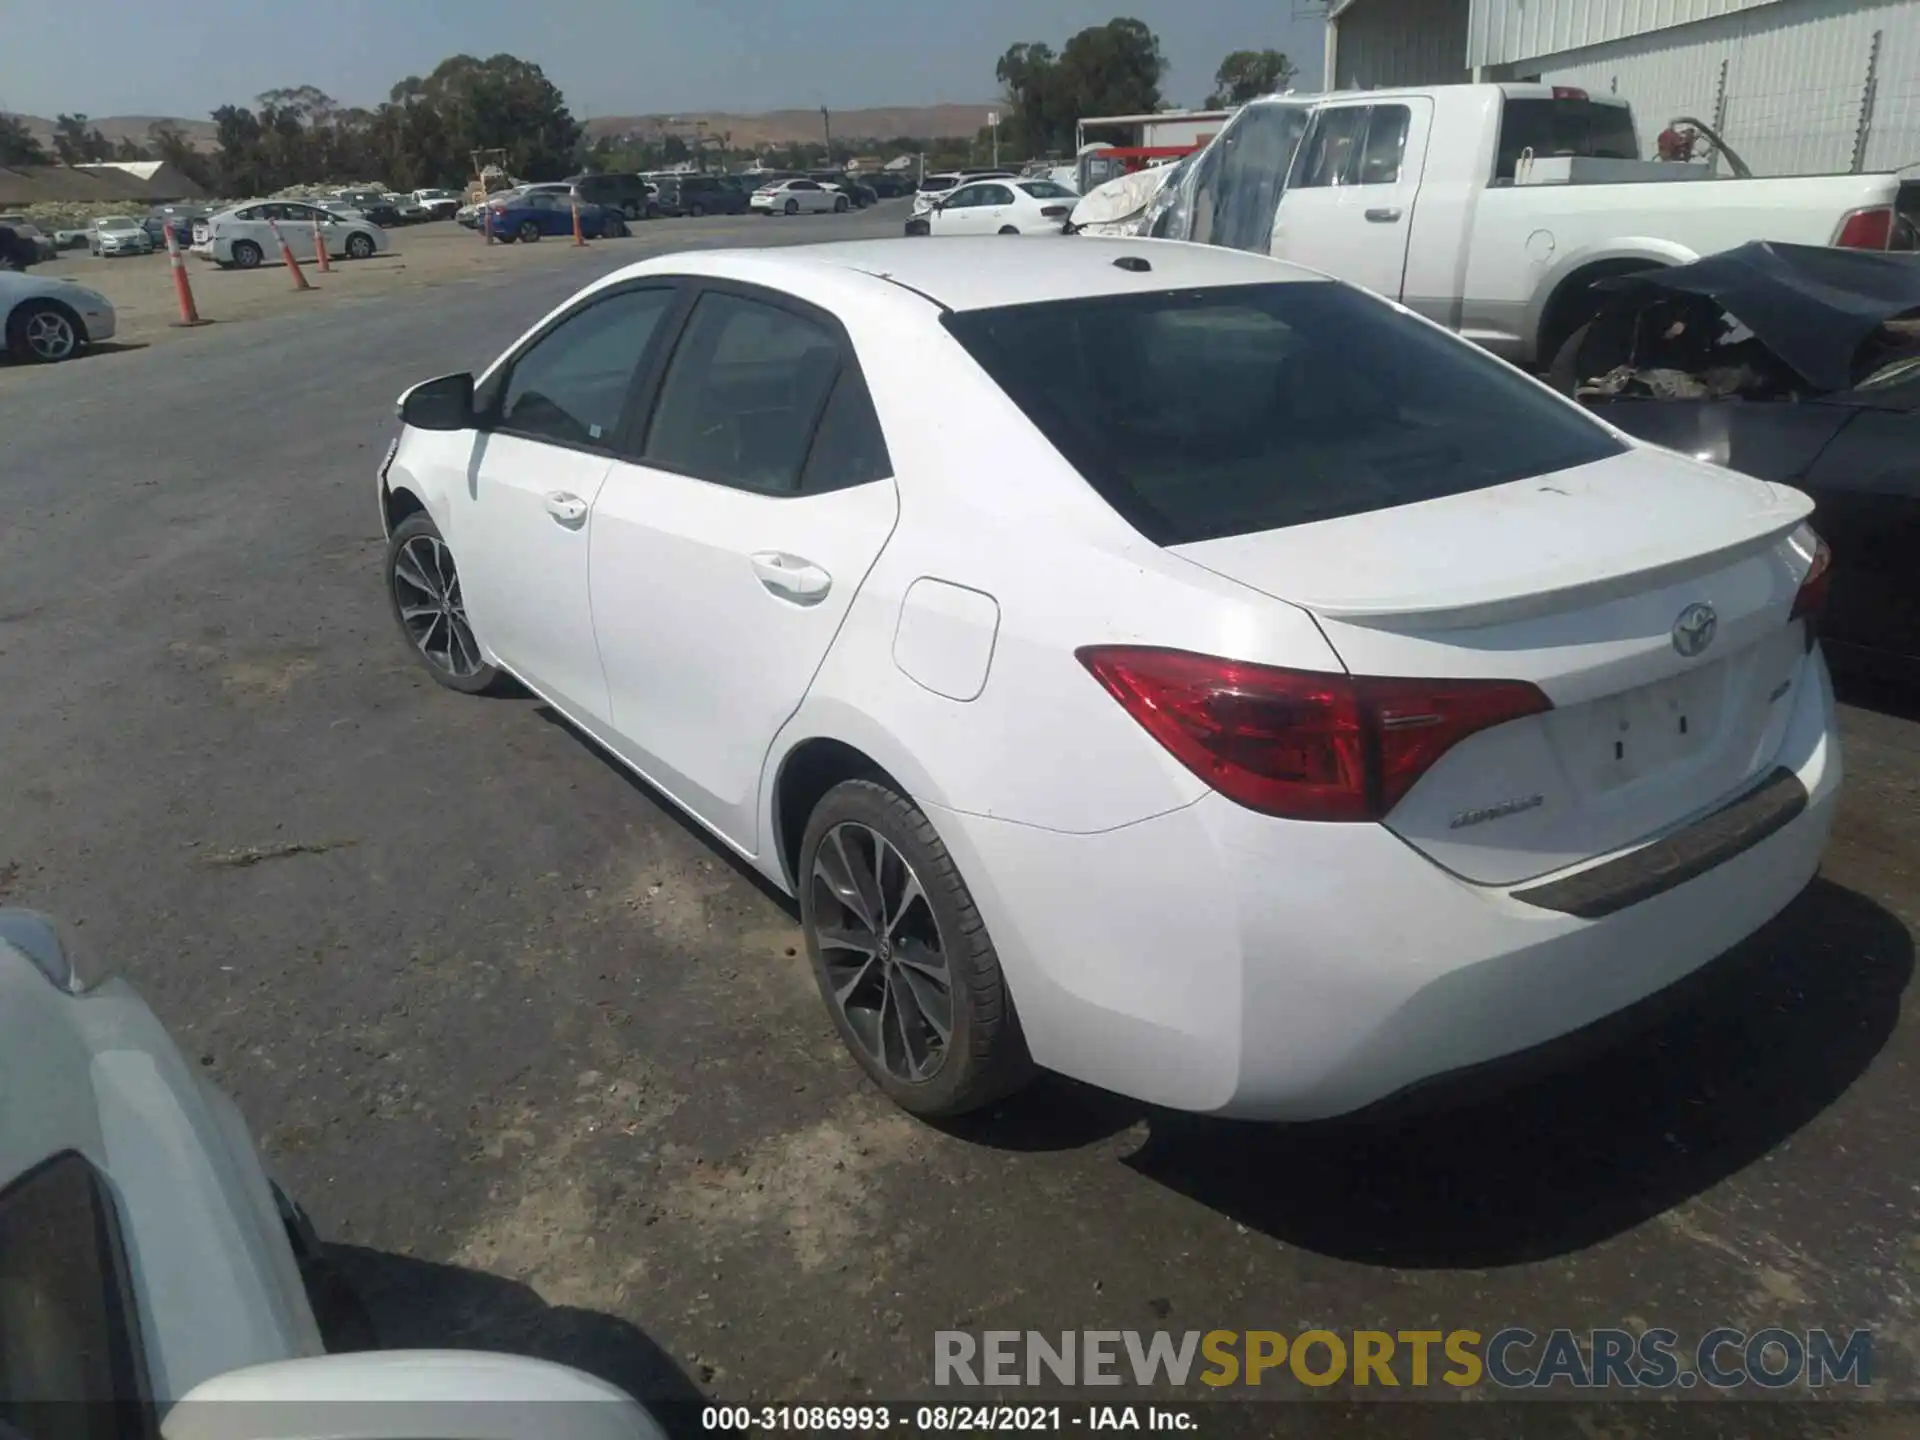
point(1795, 364)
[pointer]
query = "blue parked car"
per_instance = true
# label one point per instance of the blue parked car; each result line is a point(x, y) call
point(535, 213)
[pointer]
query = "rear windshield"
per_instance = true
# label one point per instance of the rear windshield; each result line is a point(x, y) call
point(1586, 128)
point(1229, 411)
point(939, 182)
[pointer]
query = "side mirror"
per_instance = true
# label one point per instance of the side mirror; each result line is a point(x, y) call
point(442, 404)
point(408, 1395)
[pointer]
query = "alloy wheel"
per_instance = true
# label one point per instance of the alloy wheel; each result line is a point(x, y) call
point(882, 952)
point(426, 589)
point(50, 335)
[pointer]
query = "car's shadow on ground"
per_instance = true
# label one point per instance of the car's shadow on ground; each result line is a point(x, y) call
point(1776, 1033)
point(1888, 693)
point(420, 1305)
point(80, 356)
point(1583, 1154)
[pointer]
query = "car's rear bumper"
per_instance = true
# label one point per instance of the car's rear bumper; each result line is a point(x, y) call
point(1214, 959)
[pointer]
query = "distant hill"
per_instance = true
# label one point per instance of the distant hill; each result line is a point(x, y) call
point(775, 127)
point(798, 127)
point(129, 127)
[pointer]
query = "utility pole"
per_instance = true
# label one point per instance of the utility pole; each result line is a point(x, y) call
point(826, 124)
point(993, 124)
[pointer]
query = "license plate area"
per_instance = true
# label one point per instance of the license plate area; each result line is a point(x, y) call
point(1641, 733)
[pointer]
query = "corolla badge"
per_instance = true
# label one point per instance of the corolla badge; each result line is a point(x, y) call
point(1693, 631)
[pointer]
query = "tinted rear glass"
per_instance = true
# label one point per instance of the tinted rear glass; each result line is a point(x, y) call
point(1201, 414)
point(1563, 127)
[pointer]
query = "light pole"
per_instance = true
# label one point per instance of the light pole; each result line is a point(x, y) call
point(826, 124)
point(993, 124)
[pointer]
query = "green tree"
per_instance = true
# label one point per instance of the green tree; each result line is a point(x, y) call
point(18, 144)
point(77, 143)
point(505, 103)
point(1111, 69)
point(168, 142)
point(1029, 81)
point(1247, 74)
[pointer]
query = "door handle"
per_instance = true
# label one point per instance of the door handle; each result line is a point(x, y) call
point(790, 577)
point(1384, 215)
point(569, 510)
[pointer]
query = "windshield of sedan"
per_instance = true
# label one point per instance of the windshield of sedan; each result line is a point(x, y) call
point(118, 222)
point(1199, 414)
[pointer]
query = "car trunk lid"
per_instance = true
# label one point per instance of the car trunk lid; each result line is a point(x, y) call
point(1587, 583)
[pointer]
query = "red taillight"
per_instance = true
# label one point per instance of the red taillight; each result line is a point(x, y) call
point(1866, 229)
point(1812, 595)
point(1568, 92)
point(1296, 743)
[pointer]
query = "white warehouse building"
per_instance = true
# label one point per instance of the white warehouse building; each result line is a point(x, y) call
point(1794, 86)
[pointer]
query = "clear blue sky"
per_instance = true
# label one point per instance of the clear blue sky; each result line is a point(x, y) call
point(611, 57)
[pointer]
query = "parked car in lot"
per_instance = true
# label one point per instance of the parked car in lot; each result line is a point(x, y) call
point(118, 235)
point(797, 197)
point(180, 217)
point(244, 236)
point(998, 207)
point(1820, 390)
point(43, 246)
point(439, 204)
point(1193, 668)
point(534, 213)
point(374, 206)
point(933, 187)
point(629, 194)
point(700, 195)
point(149, 1267)
point(44, 320)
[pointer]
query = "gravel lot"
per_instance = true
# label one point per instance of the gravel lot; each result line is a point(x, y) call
point(551, 1072)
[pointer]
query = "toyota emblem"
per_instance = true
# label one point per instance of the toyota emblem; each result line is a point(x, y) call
point(1693, 631)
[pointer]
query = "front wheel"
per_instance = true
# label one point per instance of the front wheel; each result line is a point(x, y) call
point(697, 210)
point(902, 957)
point(631, 210)
point(423, 591)
point(42, 332)
point(840, 205)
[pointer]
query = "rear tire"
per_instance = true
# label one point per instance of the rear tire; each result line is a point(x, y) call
point(247, 255)
point(1009, 230)
point(698, 210)
point(529, 231)
point(1564, 373)
point(873, 846)
point(359, 247)
point(793, 207)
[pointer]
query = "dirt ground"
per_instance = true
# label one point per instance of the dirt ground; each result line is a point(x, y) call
point(423, 257)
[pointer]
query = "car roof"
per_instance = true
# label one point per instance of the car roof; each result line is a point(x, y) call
point(973, 273)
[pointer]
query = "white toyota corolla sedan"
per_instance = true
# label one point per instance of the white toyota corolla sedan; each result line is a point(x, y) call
point(1146, 661)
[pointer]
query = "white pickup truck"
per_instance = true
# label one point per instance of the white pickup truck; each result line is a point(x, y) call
point(1493, 208)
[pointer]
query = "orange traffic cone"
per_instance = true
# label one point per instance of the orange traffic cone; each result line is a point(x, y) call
point(182, 291)
point(320, 247)
point(286, 254)
point(578, 238)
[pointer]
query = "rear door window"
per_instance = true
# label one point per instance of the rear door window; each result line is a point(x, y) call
point(1229, 411)
point(1331, 155)
point(1563, 125)
point(743, 395)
